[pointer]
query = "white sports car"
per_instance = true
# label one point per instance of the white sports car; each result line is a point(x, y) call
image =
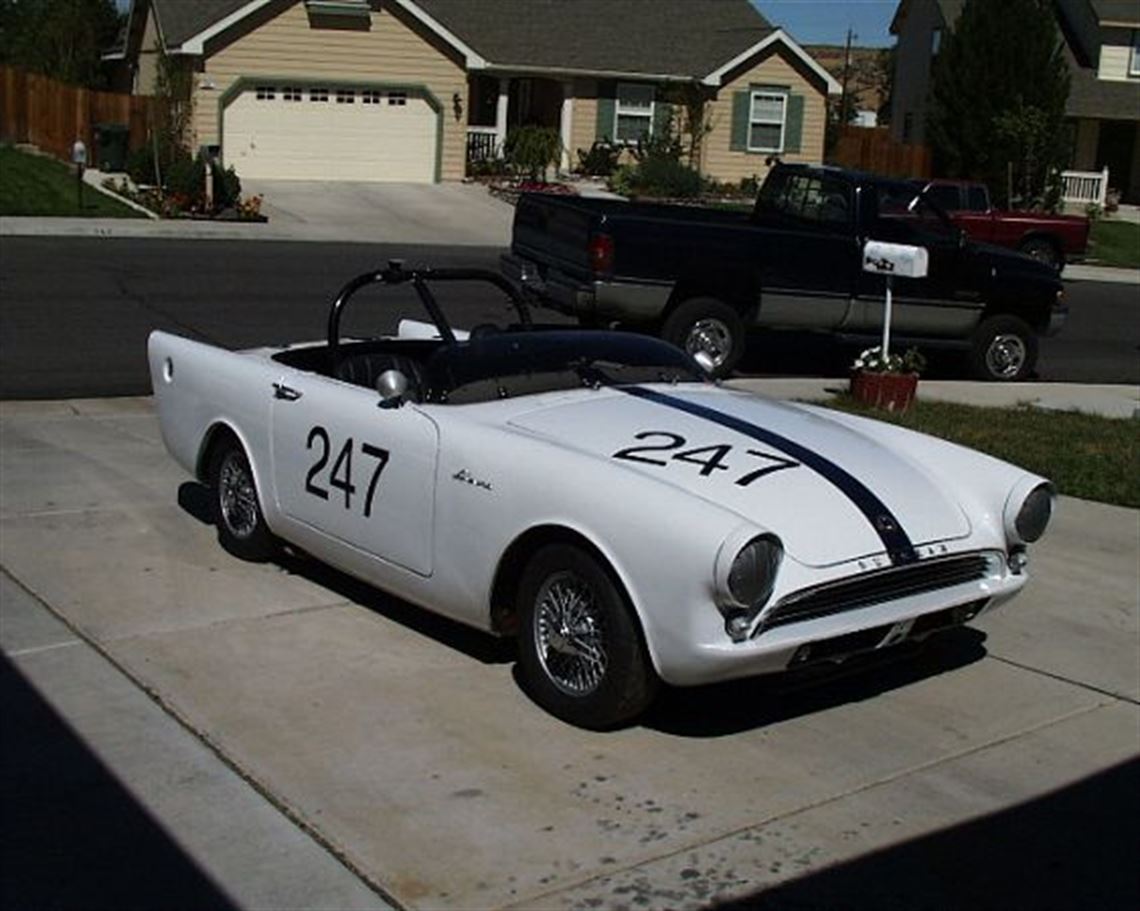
point(596, 495)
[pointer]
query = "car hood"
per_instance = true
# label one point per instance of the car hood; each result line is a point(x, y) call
point(830, 492)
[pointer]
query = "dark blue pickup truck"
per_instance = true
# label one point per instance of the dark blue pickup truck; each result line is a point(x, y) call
point(701, 278)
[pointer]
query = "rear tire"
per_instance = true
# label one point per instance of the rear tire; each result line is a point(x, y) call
point(705, 324)
point(236, 505)
point(581, 654)
point(1003, 349)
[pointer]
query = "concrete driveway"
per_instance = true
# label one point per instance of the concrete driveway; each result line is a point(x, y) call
point(444, 213)
point(399, 748)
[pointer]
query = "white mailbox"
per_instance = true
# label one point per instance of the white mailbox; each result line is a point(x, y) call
point(79, 153)
point(900, 260)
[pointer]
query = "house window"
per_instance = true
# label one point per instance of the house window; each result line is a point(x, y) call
point(1134, 60)
point(291, 93)
point(766, 122)
point(345, 96)
point(266, 92)
point(398, 98)
point(633, 116)
point(318, 94)
point(371, 96)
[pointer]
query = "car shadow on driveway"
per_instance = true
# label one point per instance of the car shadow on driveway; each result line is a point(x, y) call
point(716, 710)
point(721, 709)
point(194, 499)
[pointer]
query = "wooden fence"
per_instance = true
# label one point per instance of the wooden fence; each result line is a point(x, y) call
point(872, 149)
point(52, 115)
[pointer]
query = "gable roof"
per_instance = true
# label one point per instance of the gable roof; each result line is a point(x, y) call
point(949, 9)
point(663, 39)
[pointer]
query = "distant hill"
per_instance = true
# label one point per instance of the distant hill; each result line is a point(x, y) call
point(864, 79)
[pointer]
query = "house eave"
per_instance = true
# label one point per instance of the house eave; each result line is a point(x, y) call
point(531, 69)
point(716, 77)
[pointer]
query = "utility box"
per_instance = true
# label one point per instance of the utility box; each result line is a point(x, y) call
point(111, 140)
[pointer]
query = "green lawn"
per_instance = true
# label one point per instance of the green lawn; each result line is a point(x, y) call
point(37, 185)
point(1115, 243)
point(1086, 456)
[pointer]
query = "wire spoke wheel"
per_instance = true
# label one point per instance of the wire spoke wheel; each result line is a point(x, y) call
point(570, 634)
point(237, 496)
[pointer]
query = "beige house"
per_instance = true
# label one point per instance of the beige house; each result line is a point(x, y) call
point(1102, 45)
point(412, 90)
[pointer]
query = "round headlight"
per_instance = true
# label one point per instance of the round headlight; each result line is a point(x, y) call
point(1035, 513)
point(753, 572)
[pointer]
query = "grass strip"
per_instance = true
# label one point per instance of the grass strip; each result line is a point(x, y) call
point(1115, 243)
point(1085, 455)
point(38, 185)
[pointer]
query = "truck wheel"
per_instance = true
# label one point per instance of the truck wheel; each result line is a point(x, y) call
point(237, 510)
point(1003, 347)
point(581, 655)
point(1043, 250)
point(709, 326)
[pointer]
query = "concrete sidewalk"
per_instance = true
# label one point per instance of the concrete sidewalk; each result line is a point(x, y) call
point(1113, 401)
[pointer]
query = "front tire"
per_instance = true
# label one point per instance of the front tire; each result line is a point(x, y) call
point(237, 508)
point(709, 326)
point(581, 654)
point(1003, 348)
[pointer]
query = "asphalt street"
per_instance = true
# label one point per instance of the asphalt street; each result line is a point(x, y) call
point(102, 296)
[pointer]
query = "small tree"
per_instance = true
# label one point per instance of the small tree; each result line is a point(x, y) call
point(998, 92)
point(691, 121)
point(533, 149)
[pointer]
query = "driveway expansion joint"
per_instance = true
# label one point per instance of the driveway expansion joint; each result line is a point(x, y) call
point(1061, 678)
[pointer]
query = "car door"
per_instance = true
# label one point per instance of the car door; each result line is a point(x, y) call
point(809, 263)
point(947, 301)
point(360, 474)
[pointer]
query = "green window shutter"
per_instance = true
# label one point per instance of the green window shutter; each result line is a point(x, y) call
point(662, 111)
point(741, 109)
point(607, 111)
point(794, 124)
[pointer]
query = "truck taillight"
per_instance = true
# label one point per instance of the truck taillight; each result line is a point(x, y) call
point(601, 249)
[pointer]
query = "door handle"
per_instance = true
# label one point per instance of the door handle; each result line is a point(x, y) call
point(285, 393)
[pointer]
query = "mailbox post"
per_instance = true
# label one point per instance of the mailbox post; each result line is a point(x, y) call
point(79, 159)
point(893, 260)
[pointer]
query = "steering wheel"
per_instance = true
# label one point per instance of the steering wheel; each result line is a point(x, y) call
point(396, 274)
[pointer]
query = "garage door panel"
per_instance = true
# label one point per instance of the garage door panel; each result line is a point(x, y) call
point(327, 140)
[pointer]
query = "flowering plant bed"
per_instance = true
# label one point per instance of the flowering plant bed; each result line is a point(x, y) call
point(886, 381)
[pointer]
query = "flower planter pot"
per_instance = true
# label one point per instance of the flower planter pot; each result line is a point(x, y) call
point(892, 391)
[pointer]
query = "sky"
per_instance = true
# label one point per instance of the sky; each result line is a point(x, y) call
point(827, 21)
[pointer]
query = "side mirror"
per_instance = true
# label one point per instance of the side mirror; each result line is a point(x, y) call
point(392, 386)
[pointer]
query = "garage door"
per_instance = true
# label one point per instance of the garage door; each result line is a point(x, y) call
point(330, 133)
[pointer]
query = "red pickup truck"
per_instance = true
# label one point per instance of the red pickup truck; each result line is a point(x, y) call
point(1053, 239)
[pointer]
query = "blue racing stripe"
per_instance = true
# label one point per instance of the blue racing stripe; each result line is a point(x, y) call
point(886, 526)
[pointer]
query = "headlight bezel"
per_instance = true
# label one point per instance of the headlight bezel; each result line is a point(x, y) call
point(1028, 511)
point(765, 552)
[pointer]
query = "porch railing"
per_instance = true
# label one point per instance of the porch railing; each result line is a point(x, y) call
point(482, 143)
point(1084, 187)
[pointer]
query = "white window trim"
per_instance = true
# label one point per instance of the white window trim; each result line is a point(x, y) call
point(619, 111)
point(1134, 55)
point(753, 119)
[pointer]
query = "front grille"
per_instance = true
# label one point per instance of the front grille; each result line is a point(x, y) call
point(875, 588)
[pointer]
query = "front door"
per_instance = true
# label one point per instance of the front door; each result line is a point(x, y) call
point(359, 474)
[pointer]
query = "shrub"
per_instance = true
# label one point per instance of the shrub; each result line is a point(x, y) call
point(532, 149)
point(667, 177)
point(140, 167)
point(601, 160)
point(227, 186)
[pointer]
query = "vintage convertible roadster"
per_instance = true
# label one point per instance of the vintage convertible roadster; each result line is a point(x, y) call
point(594, 494)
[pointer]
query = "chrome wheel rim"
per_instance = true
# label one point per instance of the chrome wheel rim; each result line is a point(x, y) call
point(569, 636)
point(711, 337)
point(1006, 356)
point(237, 496)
